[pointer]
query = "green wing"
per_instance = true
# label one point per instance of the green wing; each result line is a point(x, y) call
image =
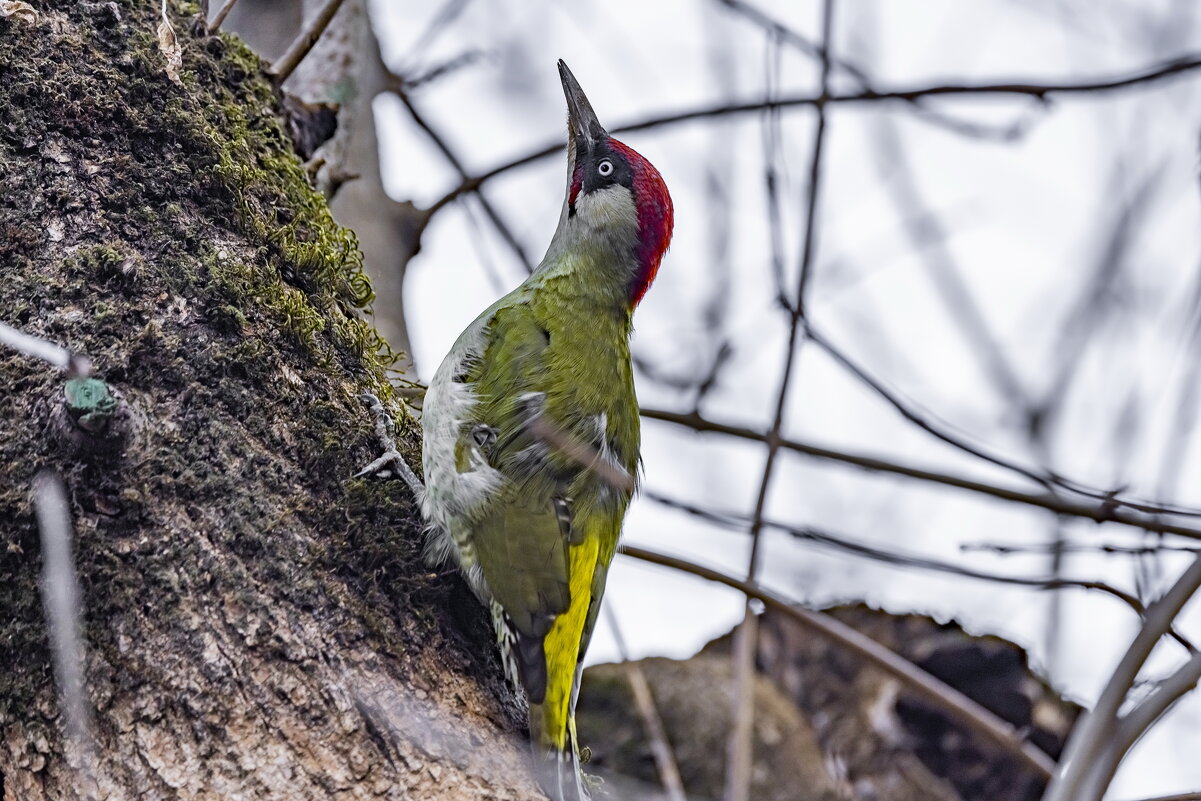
point(521, 536)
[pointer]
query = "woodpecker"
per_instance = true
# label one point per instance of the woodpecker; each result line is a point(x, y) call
point(531, 432)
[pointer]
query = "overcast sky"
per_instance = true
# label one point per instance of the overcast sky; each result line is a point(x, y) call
point(1025, 226)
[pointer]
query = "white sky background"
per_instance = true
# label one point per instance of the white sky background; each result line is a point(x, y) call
point(1027, 223)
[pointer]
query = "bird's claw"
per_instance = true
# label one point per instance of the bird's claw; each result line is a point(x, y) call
point(391, 457)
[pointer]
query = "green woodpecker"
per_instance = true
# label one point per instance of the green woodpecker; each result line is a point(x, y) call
point(531, 432)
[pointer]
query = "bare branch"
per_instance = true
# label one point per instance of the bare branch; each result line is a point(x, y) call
point(739, 763)
point(1048, 480)
point(1096, 731)
point(304, 42)
point(441, 70)
point(947, 699)
point(1034, 89)
point(804, 44)
point(1103, 512)
point(220, 16)
point(840, 542)
point(397, 87)
point(61, 600)
point(1139, 721)
point(1041, 91)
point(1004, 549)
point(55, 355)
point(789, 35)
point(652, 723)
point(771, 177)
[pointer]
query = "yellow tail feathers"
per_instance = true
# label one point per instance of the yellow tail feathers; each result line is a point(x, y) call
point(552, 723)
point(562, 646)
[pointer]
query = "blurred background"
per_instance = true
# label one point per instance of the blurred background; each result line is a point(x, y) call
point(1003, 289)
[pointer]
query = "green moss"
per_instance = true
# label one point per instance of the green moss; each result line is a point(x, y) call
point(300, 317)
point(251, 161)
point(99, 260)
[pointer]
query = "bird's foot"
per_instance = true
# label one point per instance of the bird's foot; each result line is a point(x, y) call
point(390, 460)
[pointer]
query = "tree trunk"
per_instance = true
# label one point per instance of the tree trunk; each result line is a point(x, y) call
point(257, 625)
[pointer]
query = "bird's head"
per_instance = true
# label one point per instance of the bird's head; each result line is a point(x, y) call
point(613, 193)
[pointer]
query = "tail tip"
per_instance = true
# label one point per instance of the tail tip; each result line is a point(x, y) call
point(559, 776)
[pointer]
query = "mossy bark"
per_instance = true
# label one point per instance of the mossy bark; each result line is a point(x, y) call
point(257, 624)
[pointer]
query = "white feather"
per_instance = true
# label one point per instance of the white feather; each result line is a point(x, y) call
point(452, 496)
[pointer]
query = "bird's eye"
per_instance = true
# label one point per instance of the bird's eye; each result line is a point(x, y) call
point(605, 168)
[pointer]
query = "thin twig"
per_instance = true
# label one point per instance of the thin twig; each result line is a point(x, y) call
point(947, 699)
point(720, 172)
point(54, 355)
point(1109, 548)
point(1041, 91)
point(440, 70)
point(1103, 512)
point(1102, 287)
point(927, 236)
point(483, 256)
point(396, 86)
point(652, 722)
point(772, 157)
point(303, 43)
point(916, 416)
point(441, 21)
point(61, 601)
point(1005, 133)
point(739, 744)
point(1181, 432)
point(581, 453)
point(1164, 69)
point(1093, 734)
point(737, 522)
point(220, 16)
point(784, 33)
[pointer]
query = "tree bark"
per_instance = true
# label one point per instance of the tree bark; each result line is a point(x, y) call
point(257, 625)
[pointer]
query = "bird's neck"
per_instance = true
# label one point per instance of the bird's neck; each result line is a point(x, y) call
point(598, 247)
point(599, 265)
point(584, 286)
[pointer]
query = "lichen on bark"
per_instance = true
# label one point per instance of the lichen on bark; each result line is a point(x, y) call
point(256, 622)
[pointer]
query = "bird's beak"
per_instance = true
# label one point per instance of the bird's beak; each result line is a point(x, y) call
point(583, 128)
